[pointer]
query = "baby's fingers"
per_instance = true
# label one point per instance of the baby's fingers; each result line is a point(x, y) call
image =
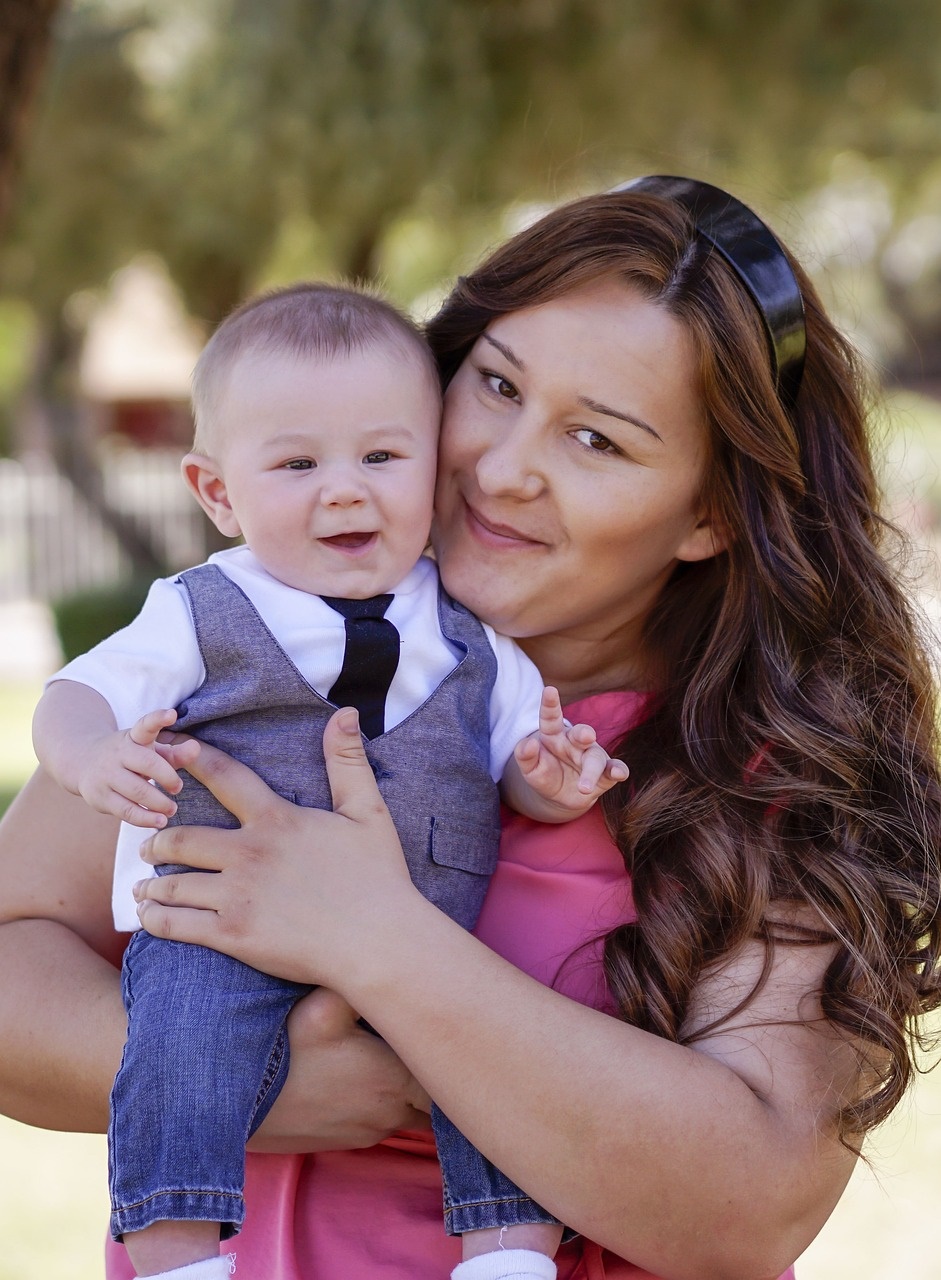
point(599, 772)
point(153, 810)
point(145, 731)
point(551, 719)
point(147, 763)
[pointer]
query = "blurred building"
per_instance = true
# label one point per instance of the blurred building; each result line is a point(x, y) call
point(139, 351)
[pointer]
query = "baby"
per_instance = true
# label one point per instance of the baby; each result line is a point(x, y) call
point(317, 413)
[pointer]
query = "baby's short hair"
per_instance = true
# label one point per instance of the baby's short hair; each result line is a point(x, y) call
point(309, 321)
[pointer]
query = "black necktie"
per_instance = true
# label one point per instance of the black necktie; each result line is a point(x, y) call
point(369, 661)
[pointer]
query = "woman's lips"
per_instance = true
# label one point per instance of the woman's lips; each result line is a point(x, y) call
point(495, 534)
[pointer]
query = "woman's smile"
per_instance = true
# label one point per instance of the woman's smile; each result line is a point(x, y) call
point(494, 533)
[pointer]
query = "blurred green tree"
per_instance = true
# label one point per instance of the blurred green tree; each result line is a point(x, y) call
point(355, 114)
point(218, 131)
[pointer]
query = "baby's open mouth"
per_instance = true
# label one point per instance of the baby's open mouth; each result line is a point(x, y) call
point(350, 541)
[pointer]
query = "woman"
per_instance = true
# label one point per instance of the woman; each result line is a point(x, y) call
point(638, 484)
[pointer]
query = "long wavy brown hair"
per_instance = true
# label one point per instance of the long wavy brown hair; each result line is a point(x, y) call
point(791, 788)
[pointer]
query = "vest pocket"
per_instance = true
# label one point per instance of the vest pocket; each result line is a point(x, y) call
point(465, 846)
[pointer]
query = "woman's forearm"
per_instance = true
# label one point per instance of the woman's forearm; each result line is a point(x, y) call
point(661, 1153)
point(62, 1022)
point(62, 1027)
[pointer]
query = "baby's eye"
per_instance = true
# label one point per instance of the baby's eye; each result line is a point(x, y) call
point(499, 385)
point(595, 441)
point(378, 455)
point(300, 464)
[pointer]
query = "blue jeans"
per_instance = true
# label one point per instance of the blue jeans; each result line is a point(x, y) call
point(476, 1193)
point(206, 1057)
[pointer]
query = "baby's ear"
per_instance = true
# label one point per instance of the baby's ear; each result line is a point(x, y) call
point(203, 477)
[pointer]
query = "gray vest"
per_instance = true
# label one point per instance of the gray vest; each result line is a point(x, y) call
point(432, 768)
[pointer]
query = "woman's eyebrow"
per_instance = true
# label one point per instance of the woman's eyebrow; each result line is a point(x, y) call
point(595, 407)
point(514, 360)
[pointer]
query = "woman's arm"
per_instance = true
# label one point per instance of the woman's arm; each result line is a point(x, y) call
point(714, 1161)
point(61, 1017)
point(62, 1022)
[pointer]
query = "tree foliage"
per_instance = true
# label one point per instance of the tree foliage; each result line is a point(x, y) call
point(204, 129)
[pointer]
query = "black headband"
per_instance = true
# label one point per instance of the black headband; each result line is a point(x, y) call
point(756, 257)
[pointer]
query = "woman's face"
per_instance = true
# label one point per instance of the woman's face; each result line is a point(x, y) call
point(571, 466)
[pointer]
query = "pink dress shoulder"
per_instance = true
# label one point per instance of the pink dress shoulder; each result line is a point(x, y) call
point(378, 1213)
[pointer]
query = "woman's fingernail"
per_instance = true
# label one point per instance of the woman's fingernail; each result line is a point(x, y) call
point(348, 720)
point(138, 890)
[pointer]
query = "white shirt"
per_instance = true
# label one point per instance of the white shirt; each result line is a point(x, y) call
point(155, 662)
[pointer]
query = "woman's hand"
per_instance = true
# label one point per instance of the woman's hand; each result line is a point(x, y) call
point(346, 1088)
point(298, 891)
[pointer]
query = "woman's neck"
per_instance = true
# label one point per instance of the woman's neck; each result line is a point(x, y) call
point(579, 667)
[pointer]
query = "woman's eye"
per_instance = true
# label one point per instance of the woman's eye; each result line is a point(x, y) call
point(300, 464)
point(378, 455)
point(499, 385)
point(595, 440)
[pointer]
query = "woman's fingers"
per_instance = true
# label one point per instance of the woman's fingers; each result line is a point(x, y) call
point(189, 846)
point(299, 890)
point(352, 783)
point(233, 784)
point(185, 923)
point(194, 888)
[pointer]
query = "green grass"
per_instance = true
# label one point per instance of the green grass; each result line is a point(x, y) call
point(54, 1204)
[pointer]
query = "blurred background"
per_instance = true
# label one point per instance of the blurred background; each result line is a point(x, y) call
point(160, 159)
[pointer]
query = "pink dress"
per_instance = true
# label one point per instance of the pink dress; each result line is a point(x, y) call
point(365, 1214)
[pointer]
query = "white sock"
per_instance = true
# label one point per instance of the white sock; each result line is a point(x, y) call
point(218, 1268)
point(506, 1264)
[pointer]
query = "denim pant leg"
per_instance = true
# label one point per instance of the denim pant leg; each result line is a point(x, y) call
point(205, 1058)
point(476, 1194)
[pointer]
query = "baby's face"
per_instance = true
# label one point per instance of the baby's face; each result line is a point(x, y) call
point(329, 466)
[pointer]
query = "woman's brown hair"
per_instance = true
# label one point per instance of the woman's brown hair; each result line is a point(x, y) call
point(786, 783)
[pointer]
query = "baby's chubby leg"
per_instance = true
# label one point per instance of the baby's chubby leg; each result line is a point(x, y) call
point(177, 1251)
point(519, 1252)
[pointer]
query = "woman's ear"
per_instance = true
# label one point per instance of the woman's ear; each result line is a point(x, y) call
point(704, 541)
point(203, 477)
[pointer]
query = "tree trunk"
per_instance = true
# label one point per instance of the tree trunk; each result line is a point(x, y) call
point(74, 454)
point(25, 35)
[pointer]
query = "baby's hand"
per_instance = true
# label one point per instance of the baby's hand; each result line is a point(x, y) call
point(564, 764)
point(117, 769)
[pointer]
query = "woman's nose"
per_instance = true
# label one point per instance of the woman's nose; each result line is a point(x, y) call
point(509, 467)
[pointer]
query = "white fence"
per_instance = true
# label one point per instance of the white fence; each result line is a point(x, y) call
point(52, 543)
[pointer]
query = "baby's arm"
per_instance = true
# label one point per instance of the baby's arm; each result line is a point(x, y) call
point(77, 740)
point(557, 773)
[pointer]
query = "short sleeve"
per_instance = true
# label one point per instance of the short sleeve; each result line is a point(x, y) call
point(152, 663)
point(514, 702)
